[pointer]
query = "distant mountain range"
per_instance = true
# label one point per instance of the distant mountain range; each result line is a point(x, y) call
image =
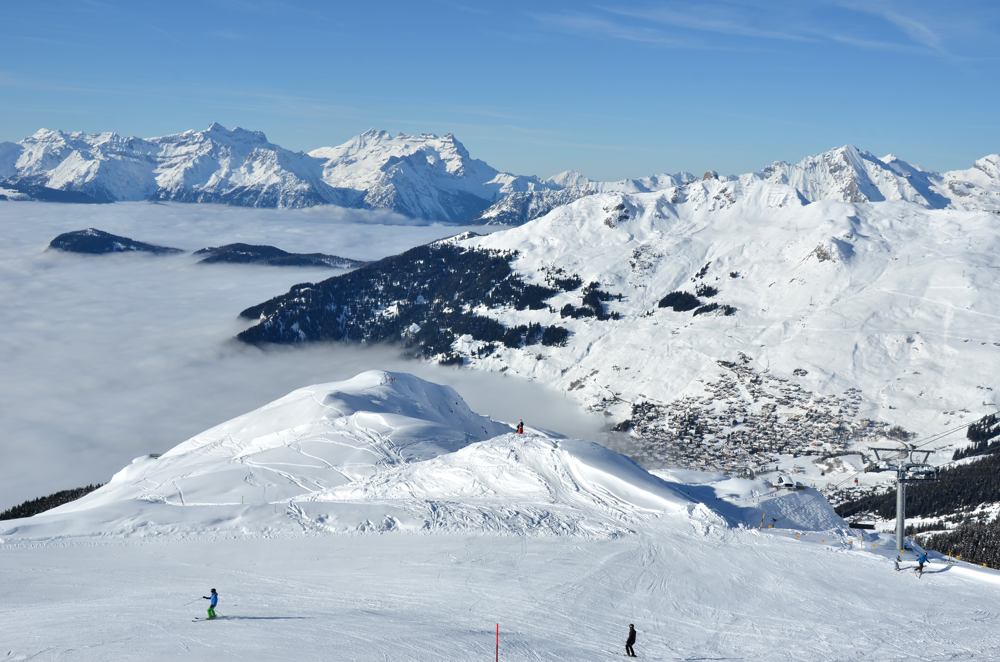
point(427, 176)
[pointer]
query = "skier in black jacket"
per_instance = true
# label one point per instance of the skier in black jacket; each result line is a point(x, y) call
point(631, 640)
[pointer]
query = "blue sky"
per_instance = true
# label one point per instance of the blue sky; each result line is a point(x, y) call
point(611, 88)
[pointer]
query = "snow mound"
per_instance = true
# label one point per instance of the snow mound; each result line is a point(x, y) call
point(512, 484)
point(310, 440)
point(763, 505)
point(379, 452)
point(757, 503)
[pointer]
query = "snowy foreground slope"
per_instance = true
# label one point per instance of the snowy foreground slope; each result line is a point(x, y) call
point(693, 595)
point(561, 542)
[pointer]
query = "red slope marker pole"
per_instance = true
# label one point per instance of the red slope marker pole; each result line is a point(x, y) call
point(498, 642)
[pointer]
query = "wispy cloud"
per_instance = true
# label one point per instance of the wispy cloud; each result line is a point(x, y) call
point(608, 28)
point(954, 30)
point(227, 35)
point(696, 29)
point(875, 44)
point(914, 29)
point(911, 28)
point(710, 20)
point(9, 80)
point(276, 103)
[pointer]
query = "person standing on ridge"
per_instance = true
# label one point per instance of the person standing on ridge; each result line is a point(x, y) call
point(630, 641)
point(213, 599)
point(520, 427)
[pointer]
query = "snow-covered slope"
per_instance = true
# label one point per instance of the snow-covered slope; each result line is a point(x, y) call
point(9, 154)
point(525, 484)
point(736, 325)
point(849, 174)
point(573, 179)
point(975, 188)
point(105, 166)
point(521, 206)
point(832, 311)
point(692, 594)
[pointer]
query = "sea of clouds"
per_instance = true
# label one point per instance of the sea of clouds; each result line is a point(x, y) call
point(105, 358)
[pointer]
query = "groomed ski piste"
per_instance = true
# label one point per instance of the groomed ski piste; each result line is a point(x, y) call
point(381, 518)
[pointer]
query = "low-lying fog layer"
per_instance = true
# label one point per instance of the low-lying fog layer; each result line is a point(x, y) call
point(109, 357)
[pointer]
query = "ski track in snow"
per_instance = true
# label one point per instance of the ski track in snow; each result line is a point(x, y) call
point(727, 594)
point(944, 304)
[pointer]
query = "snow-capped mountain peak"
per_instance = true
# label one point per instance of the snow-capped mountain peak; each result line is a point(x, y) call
point(46, 135)
point(850, 174)
point(568, 178)
point(426, 175)
point(974, 188)
point(219, 132)
point(989, 165)
point(434, 176)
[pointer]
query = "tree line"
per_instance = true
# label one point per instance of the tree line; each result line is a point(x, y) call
point(957, 488)
point(41, 504)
